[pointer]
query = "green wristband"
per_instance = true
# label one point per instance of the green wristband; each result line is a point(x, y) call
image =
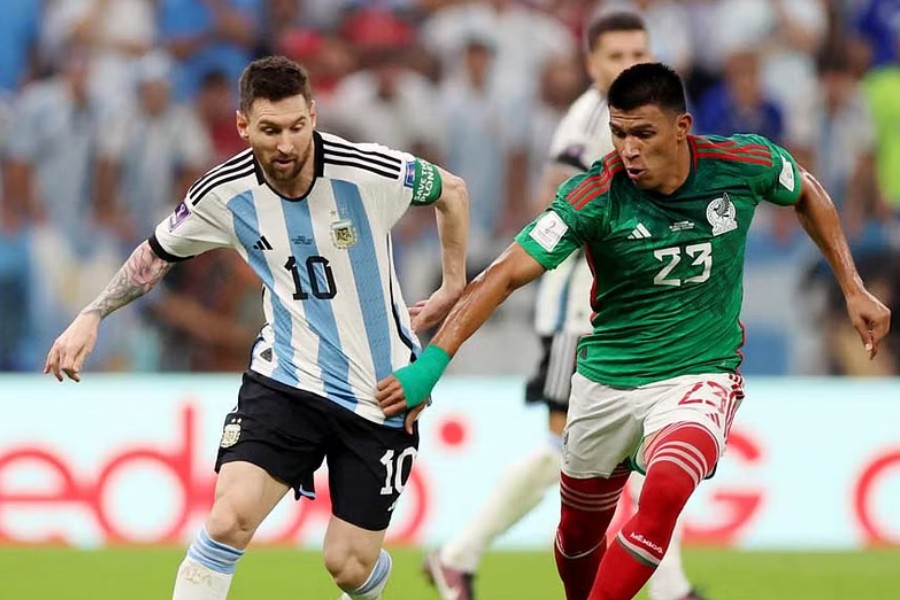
point(420, 377)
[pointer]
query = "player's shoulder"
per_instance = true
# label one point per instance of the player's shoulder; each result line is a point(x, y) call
point(593, 185)
point(229, 178)
point(585, 116)
point(361, 161)
point(747, 153)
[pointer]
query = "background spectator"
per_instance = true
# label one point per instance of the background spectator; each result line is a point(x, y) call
point(100, 134)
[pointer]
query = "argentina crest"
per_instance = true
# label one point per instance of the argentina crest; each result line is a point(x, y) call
point(721, 215)
point(343, 234)
point(231, 433)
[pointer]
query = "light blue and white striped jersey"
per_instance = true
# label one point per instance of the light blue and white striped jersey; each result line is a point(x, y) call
point(336, 321)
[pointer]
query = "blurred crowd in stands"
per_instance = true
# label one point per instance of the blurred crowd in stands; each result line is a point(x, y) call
point(109, 109)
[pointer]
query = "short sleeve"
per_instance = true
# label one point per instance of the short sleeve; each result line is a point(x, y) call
point(780, 182)
point(193, 229)
point(569, 146)
point(419, 184)
point(552, 236)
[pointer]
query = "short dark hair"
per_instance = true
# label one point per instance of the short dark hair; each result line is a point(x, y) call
point(648, 83)
point(273, 78)
point(605, 22)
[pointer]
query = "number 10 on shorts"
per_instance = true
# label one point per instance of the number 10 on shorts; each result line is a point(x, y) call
point(393, 477)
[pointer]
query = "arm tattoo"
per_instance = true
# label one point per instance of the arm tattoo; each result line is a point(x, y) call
point(138, 275)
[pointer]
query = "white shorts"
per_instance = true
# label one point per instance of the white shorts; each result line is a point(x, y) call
point(607, 425)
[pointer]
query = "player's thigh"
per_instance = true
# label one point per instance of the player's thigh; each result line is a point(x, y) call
point(245, 495)
point(708, 400)
point(556, 422)
point(602, 429)
point(283, 432)
point(368, 467)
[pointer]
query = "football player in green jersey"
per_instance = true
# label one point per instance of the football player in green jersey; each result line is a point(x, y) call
point(663, 221)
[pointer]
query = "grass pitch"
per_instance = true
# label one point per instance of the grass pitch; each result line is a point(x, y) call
point(265, 574)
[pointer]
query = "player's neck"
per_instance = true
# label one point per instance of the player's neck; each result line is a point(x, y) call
point(681, 172)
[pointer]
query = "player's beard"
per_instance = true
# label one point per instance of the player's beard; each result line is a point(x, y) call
point(284, 174)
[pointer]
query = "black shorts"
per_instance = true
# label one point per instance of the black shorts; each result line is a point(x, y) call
point(289, 432)
point(553, 380)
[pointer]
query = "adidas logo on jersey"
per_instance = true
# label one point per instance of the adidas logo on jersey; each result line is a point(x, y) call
point(640, 233)
point(262, 244)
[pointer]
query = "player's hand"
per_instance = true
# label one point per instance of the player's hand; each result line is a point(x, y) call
point(428, 313)
point(70, 349)
point(390, 396)
point(871, 318)
point(412, 416)
point(410, 386)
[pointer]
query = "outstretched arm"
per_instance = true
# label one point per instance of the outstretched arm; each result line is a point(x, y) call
point(819, 218)
point(137, 276)
point(452, 213)
point(411, 385)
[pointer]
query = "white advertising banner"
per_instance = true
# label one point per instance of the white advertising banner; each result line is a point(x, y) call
point(812, 464)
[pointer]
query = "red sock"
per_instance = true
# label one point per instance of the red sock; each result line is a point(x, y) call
point(588, 505)
point(679, 459)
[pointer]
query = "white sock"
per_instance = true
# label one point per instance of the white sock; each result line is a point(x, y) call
point(197, 582)
point(206, 571)
point(374, 585)
point(519, 490)
point(669, 581)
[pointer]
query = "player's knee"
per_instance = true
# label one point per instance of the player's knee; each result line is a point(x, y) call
point(666, 490)
point(230, 525)
point(348, 570)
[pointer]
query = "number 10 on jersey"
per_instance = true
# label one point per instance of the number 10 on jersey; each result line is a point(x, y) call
point(323, 287)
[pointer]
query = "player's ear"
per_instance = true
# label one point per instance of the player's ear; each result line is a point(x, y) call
point(243, 125)
point(312, 113)
point(683, 123)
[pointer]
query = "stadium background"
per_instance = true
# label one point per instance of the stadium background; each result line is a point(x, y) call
point(109, 108)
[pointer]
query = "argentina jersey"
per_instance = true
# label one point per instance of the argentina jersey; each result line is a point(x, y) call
point(563, 296)
point(336, 320)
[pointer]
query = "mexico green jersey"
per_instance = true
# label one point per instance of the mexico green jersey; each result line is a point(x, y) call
point(667, 269)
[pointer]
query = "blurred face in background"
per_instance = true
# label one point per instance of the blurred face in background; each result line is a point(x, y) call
point(283, 12)
point(561, 82)
point(154, 96)
point(479, 57)
point(615, 51)
point(75, 68)
point(838, 86)
point(280, 134)
point(742, 76)
point(648, 138)
point(215, 101)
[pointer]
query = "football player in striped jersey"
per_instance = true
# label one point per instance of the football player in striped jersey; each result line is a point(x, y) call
point(311, 213)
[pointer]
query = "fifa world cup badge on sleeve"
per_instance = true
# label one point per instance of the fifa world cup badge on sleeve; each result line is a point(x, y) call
point(786, 178)
point(410, 178)
point(343, 234)
point(178, 217)
point(548, 231)
point(231, 433)
point(721, 215)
